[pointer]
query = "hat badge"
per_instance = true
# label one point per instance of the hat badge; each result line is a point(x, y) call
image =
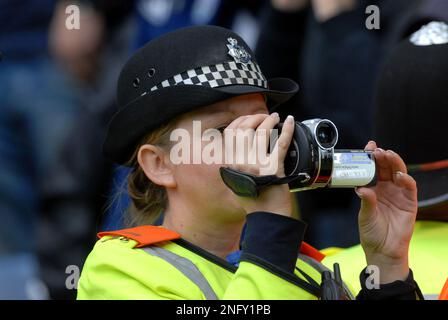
point(435, 32)
point(237, 52)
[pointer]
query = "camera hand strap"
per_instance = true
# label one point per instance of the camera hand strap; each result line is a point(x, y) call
point(248, 185)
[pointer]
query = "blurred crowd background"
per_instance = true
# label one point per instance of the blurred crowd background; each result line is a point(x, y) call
point(57, 93)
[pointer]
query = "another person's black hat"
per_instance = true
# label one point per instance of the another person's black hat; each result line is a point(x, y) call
point(412, 109)
point(181, 71)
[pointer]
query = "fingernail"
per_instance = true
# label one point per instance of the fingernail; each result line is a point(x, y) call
point(379, 150)
point(390, 151)
point(399, 174)
point(275, 114)
point(357, 192)
point(290, 118)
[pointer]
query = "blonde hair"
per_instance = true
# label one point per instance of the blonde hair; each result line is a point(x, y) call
point(148, 200)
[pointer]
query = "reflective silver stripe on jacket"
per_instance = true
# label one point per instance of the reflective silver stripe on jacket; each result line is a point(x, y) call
point(321, 268)
point(185, 266)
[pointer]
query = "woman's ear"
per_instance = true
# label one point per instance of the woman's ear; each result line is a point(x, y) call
point(153, 161)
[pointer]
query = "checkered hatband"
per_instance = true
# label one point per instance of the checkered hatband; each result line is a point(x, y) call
point(223, 74)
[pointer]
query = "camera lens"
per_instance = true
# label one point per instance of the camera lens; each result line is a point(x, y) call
point(326, 134)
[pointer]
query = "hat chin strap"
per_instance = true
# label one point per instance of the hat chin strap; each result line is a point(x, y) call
point(248, 185)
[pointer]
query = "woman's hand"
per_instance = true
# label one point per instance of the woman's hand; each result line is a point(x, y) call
point(387, 216)
point(275, 199)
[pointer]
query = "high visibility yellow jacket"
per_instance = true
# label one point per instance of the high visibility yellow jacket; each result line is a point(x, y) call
point(136, 264)
point(151, 262)
point(117, 269)
point(428, 258)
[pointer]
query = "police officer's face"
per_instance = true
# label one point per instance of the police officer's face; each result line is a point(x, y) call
point(200, 184)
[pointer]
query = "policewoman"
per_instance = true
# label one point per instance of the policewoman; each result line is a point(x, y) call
point(208, 74)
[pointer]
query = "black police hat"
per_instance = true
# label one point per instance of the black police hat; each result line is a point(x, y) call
point(181, 71)
point(412, 109)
